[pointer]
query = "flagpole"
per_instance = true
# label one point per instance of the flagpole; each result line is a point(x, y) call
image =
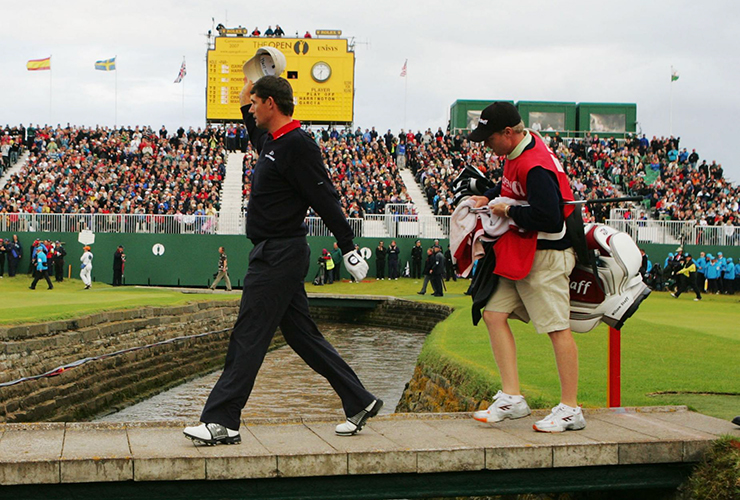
point(405, 93)
point(50, 91)
point(183, 97)
point(115, 113)
point(670, 126)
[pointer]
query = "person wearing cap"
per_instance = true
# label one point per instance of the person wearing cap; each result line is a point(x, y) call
point(288, 178)
point(119, 259)
point(686, 277)
point(713, 272)
point(42, 269)
point(86, 267)
point(728, 277)
point(533, 264)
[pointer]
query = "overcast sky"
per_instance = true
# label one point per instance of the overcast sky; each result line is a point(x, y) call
point(584, 51)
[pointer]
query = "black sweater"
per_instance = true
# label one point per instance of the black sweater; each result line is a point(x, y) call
point(289, 176)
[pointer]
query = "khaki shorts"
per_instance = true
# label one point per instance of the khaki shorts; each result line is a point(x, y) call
point(543, 296)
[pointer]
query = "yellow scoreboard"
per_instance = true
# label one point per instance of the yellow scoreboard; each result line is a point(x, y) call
point(321, 72)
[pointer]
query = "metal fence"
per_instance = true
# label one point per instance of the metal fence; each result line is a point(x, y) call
point(677, 232)
point(372, 226)
point(119, 223)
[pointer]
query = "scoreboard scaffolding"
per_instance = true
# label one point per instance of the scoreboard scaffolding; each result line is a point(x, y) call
point(321, 72)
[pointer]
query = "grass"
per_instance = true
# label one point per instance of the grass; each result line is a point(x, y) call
point(673, 351)
point(70, 300)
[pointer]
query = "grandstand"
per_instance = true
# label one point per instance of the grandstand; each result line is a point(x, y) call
point(198, 181)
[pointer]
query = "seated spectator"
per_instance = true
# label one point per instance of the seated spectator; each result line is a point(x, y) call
point(278, 31)
point(256, 31)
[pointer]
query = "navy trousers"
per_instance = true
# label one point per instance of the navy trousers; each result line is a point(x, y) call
point(274, 295)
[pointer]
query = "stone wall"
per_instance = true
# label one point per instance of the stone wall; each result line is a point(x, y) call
point(429, 391)
point(93, 387)
point(118, 381)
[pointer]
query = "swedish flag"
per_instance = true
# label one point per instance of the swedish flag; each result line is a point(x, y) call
point(106, 65)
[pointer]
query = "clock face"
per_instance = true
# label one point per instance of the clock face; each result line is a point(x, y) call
point(321, 71)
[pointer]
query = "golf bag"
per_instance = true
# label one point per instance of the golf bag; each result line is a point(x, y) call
point(611, 288)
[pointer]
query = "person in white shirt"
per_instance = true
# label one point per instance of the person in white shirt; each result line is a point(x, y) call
point(86, 267)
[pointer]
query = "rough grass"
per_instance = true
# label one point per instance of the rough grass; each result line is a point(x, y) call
point(673, 351)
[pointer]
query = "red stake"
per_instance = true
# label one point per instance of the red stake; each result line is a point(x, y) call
point(614, 370)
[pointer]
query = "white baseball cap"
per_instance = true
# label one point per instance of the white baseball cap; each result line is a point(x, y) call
point(266, 61)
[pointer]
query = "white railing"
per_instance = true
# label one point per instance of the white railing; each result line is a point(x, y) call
point(119, 223)
point(677, 232)
point(372, 226)
point(389, 226)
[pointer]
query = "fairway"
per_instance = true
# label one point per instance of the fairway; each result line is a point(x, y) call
point(674, 351)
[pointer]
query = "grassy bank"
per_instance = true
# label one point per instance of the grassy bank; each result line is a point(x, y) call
point(673, 351)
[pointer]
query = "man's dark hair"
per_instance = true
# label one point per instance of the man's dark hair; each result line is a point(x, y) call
point(277, 88)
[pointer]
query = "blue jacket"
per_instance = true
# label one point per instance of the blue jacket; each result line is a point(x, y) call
point(713, 270)
point(701, 264)
point(729, 270)
point(737, 270)
point(41, 261)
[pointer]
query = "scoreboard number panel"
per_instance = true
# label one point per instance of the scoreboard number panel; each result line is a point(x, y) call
point(321, 72)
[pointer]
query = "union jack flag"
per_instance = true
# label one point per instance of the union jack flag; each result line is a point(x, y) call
point(182, 72)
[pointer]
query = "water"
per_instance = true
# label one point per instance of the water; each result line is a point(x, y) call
point(384, 359)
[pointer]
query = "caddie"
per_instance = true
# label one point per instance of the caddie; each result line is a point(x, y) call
point(533, 262)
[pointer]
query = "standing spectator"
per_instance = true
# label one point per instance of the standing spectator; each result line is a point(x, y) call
point(393, 253)
point(86, 267)
point(380, 254)
point(223, 270)
point(687, 278)
point(15, 252)
point(416, 254)
point(737, 276)
point(3, 253)
point(42, 269)
point(329, 267)
point(428, 266)
point(437, 272)
point(728, 277)
point(58, 259)
point(450, 267)
point(701, 266)
point(119, 260)
point(714, 270)
point(336, 255)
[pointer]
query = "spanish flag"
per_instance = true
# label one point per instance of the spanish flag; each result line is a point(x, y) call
point(39, 64)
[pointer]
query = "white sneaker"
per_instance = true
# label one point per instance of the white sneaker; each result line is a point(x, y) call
point(211, 434)
point(504, 406)
point(354, 424)
point(562, 418)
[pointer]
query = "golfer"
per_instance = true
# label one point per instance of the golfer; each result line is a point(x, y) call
point(289, 176)
point(533, 262)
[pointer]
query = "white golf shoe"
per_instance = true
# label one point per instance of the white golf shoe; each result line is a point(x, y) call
point(211, 434)
point(354, 424)
point(562, 418)
point(504, 406)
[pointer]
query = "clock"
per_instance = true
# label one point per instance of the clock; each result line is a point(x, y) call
point(321, 71)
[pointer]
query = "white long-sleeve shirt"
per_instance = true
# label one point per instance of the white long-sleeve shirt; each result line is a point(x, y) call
point(86, 259)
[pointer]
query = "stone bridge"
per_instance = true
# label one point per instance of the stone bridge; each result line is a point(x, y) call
point(396, 456)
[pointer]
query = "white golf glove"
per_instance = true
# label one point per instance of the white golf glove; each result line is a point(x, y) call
point(356, 265)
